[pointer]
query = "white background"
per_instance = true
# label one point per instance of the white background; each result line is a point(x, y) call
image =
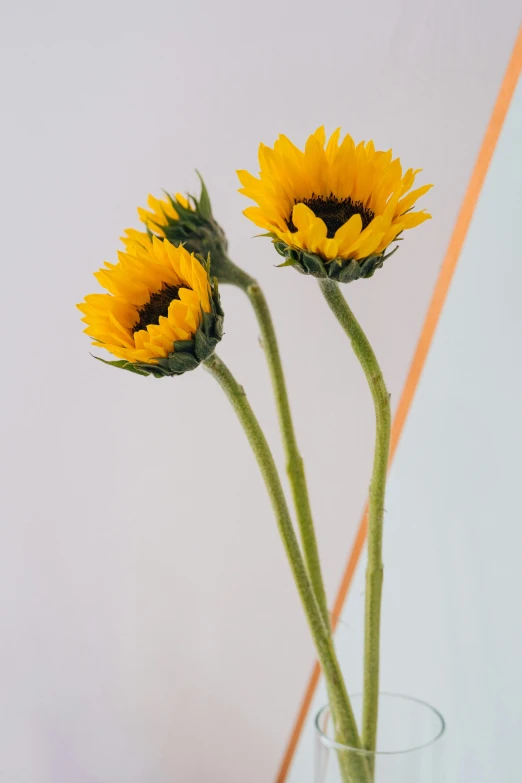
point(150, 629)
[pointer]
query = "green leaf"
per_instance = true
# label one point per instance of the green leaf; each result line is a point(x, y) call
point(288, 262)
point(204, 206)
point(391, 252)
point(123, 365)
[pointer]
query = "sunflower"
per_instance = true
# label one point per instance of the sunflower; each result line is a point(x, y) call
point(162, 314)
point(334, 209)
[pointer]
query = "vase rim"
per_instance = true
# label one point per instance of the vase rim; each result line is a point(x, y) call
point(331, 743)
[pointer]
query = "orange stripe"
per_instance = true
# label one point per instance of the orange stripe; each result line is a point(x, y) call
point(419, 359)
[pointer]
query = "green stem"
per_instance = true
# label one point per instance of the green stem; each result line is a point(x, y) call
point(346, 727)
point(374, 572)
point(294, 461)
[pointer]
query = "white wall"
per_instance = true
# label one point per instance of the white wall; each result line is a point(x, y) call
point(150, 630)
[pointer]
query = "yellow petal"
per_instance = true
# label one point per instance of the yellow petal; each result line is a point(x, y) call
point(389, 236)
point(408, 201)
point(317, 166)
point(302, 216)
point(182, 200)
point(156, 350)
point(317, 235)
point(333, 145)
point(257, 216)
point(348, 233)
point(413, 219)
point(248, 180)
point(330, 249)
point(320, 135)
point(177, 313)
point(371, 243)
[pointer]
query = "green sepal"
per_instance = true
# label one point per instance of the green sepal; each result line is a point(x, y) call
point(180, 362)
point(313, 265)
point(122, 364)
point(185, 345)
point(203, 205)
point(394, 249)
point(204, 345)
point(339, 269)
point(284, 250)
point(288, 262)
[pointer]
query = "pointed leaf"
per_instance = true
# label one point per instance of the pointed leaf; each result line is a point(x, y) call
point(122, 364)
point(204, 205)
point(390, 253)
point(288, 262)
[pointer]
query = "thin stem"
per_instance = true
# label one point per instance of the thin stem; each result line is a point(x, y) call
point(294, 461)
point(374, 572)
point(346, 727)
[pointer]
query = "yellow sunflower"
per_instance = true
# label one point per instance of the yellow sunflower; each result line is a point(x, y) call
point(333, 209)
point(162, 314)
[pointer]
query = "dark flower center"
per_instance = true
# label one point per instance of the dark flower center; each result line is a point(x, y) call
point(157, 305)
point(335, 212)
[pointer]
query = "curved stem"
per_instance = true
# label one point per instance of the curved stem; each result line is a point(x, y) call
point(374, 572)
point(294, 461)
point(346, 727)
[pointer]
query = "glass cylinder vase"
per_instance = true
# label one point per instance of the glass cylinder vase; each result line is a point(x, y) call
point(409, 746)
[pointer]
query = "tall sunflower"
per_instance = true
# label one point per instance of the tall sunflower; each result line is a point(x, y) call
point(162, 315)
point(333, 209)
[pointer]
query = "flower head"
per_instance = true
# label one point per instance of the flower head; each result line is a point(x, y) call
point(332, 210)
point(162, 315)
point(189, 221)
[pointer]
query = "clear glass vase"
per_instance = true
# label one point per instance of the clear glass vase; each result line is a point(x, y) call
point(409, 746)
